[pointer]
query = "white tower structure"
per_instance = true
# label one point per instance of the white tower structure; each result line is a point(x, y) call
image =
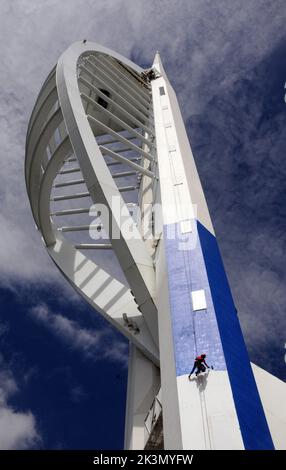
point(117, 199)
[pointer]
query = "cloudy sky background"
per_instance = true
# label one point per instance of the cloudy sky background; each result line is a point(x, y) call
point(62, 369)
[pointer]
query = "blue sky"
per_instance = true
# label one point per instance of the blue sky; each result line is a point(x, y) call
point(62, 369)
point(75, 392)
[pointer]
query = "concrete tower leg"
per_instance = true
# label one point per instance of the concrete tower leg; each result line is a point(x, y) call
point(143, 385)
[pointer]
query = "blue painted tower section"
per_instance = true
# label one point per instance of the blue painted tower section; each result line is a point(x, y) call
point(252, 420)
point(193, 332)
point(215, 330)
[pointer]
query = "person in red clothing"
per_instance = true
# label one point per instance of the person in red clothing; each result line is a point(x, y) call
point(199, 364)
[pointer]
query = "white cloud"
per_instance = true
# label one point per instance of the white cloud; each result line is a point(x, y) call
point(94, 344)
point(8, 385)
point(17, 429)
point(68, 330)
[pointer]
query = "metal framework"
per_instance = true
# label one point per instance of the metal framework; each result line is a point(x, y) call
point(69, 100)
point(101, 132)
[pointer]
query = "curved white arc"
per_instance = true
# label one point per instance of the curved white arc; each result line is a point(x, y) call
point(54, 165)
point(132, 254)
point(40, 121)
point(35, 174)
point(46, 99)
point(84, 274)
point(95, 285)
point(46, 88)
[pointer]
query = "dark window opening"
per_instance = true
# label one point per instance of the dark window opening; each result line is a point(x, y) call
point(162, 90)
point(101, 101)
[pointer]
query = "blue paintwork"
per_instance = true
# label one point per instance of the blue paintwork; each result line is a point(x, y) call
point(193, 332)
point(253, 424)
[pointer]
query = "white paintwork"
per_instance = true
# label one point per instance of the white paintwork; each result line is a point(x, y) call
point(207, 413)
point(143, 385)
point(171, 415)
point(272, 392)
point(199, 299)
point(172, 124)
point(175, 195)
point(186, 226)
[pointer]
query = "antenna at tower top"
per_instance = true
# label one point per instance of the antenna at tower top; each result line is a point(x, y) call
point(157, 63)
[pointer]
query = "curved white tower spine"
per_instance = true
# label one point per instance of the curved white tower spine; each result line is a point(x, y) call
point(105, 139)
